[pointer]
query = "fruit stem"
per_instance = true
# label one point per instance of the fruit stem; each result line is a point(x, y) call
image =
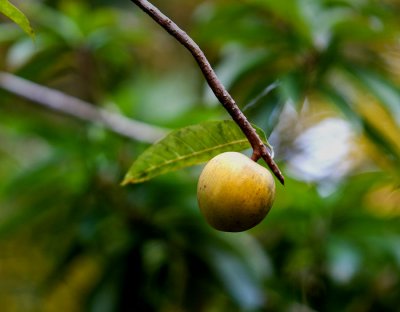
point(259, 149)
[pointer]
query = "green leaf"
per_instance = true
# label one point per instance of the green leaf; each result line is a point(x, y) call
point(16, 16)
point(384, 89)
point(187, 147)
point(342, 102)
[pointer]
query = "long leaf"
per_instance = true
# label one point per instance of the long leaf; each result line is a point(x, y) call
point(16, 16)
point(342, 102)
point(187, 147)
point(384, 89)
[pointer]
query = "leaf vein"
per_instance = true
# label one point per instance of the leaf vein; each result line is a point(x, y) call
point(169, 162)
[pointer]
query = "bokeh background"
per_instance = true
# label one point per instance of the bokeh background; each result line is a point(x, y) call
point(322, 78)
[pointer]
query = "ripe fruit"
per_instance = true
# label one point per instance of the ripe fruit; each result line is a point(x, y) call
point(234, 192)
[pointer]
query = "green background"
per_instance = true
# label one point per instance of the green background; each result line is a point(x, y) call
point(321, 78)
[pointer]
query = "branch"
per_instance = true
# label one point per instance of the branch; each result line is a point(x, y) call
point(72, 106)
point(259, 149)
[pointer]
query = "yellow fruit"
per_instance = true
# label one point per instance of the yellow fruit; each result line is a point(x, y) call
point(234, 192)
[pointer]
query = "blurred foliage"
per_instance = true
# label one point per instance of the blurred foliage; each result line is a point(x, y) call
point(72, 238)
point(13, 13)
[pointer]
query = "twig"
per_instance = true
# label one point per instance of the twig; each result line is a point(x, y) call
point(259, 149)
point(69, 105)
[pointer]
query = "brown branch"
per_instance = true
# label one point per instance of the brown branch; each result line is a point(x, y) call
point(72, 106)
point(259, 149)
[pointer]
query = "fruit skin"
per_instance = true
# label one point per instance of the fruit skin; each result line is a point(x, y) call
point(234, 193)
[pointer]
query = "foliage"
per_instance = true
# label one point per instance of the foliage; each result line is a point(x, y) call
point(72, 237)
point(16, 15)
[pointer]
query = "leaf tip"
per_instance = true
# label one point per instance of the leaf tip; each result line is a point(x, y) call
point(127, 180)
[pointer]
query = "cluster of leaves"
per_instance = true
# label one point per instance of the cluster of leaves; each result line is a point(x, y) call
point(72, 237)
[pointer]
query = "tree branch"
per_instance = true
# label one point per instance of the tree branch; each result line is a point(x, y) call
point(259, 149)
point(72, 106)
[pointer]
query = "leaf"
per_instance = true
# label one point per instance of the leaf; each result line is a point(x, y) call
point(342, 102)
point(16, 16)
point(384, 89)
point(187, 147)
